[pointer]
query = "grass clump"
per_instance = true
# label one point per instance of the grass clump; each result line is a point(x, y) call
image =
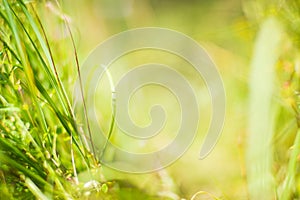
point(40, 144)
point(43, 151)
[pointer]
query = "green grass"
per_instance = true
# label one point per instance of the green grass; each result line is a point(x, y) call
point(42, 153)
point(273, 142)
point(261, 112)
point(39, 135)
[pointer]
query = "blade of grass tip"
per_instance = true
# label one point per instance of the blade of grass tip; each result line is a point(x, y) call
point(259, 144)
point(35, 190)
point(289, 183)
point(80, 80)
point(27, 69)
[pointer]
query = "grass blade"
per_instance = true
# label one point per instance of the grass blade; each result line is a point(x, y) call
point(35, 190)
point(289, 182)
point(259, 148)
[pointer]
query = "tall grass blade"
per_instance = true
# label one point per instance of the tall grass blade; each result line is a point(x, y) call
point(80, 81)
point(259, 148)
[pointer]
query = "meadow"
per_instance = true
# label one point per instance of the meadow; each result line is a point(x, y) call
point(46, 150)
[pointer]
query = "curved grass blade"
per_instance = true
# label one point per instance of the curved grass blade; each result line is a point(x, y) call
point(80, 81)
point(259, 153)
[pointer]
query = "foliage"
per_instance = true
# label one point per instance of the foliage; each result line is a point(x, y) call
point(42, 153)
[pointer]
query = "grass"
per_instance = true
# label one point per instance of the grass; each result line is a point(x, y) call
point(42, 153)
point(39, 135)
point(273, 141)
point(260, 150)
